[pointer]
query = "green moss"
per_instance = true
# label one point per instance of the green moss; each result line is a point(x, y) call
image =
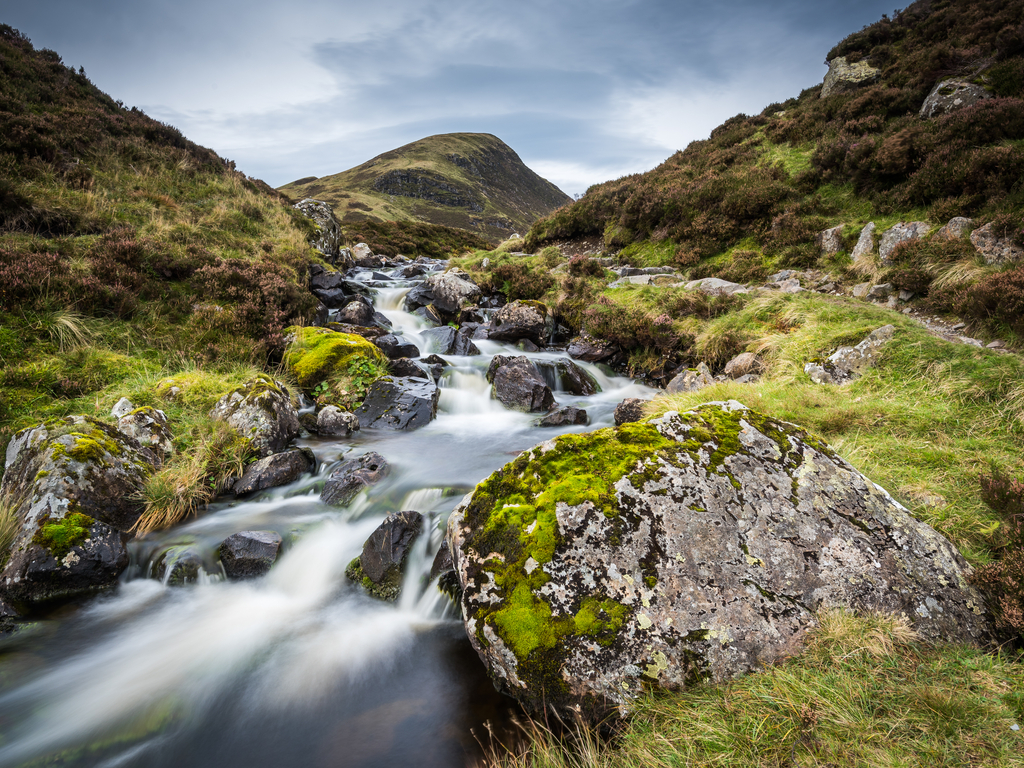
point(319, 354)
point(60, 536)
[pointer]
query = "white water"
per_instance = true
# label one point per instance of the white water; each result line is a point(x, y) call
point(296, 668)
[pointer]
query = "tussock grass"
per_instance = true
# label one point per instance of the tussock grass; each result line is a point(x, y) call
point(10, 523)
point(865, 692)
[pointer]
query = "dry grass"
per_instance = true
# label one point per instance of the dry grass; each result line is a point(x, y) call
point(10, 523)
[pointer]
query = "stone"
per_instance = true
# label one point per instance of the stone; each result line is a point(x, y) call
point(525, 345)
point(519, 385)
point(262, 411)
point(844, 76)
point(865, 246)
point(274, 471)
point(747, 378)
point(590, 349)
point(122, 408)
point(995, 249)
point(703, 547)
point(629, 411)
point(715, 285)
point(75, 488)
point(353, 476)
point(790, 286)
point(860, 290)
point(519, 320)
point(178, 566)
point(403, 368)
point(401, 404)
point(954, 229)
point(418, 296)
point(332, 421)
point(358, 311)
point(563, 375)
point(785, 274)
point(431, 315)
point(900, 233)
point(691, 380)
point(952, 95)
point(380, 567)
point(148, 427)
point(879, 292)
point(327, 236)
point(997, 344)
point(447, 341)
point(363, 257)
point(249, 554)
point(413, 270)
point(848, 363)
point(566, 416)
point(742, 364)
point(830, 241)
point(453, 290)
point(396, 346)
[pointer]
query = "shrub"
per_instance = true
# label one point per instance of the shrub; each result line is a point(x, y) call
point(518, 279)
point(1004, 579)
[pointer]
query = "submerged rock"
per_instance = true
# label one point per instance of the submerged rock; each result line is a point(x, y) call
point(691, 548)
point(261, 411)
point(178, 566)
point(353, 476)
point(564, 375)
point(273, 471)
point(447, 341)
point(395, 403)
point(249, 554)
point(380, 567)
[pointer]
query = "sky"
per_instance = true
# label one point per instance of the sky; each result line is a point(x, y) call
point(583, 90)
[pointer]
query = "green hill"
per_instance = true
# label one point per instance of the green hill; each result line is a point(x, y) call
point(472, 181)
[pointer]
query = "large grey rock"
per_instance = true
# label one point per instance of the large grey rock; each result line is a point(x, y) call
point(418, 296)
point(701, 548)
point(994, 249)
point(148, 427)
point(900, 233)
point(453, 290)
point(363, 256)
point(274, 471)
point(954, 229)
point(865, 246)
point(327, 237)
point(844, 76)
point(393, 403)
point(380, 567)
point(743, 364)
point(952, 95)
point(262, 411)
point(353, 476)
point(848, 363)
point(691, 380)
point(75, 488)
point(445, 340)
point(519, 320)
point(830, 241)
point(715, 285)
point(331, 421)
point(518, 384)
point(590, 349)
point(249, 554)
point(358, 311)
point(396, 346)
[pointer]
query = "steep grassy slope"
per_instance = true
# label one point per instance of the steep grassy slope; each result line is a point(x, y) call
point(472, 181)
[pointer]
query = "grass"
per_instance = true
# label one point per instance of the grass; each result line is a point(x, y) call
point(865, 692)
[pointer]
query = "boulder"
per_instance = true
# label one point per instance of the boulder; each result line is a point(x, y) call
point(395, 347)
point(830, 241)
point(393, 403)
point(629, 410)
point(453, 290)
point(370, 332)
point(380, 567)
point(865, 246)
point(276, 470)
point(691, 380)
point(262, 411)
point(148, 427)
point(844, 76)
point(566, 416)
point(358, 311)
point(715, 285)
point(563, 375)
point(879, 292)
point(519, 320)
point(861, 290)
point(418, 296)
point(121, 408)
point(318, 355)
point(954, 229)
point(445, 340)
point(403, 368)
point(688, 549)
point(75, 488)
point(178, 566)
point(328, 286)
point(518, 384)
point(363, 257)
point(900, 233)
point(431, 315)
point(249, 554)
point(995, 249)
point(952, 95)
point(352, 476)
point(332, 421)
point(743, 364)
point(327, 235)
point(590, 349)
point(848, 363)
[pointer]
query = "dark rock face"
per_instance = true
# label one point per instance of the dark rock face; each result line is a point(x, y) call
point(276, 470)
point(518, 384)
point(249, 554)
point(404, 368)
point(566, 416)
point(629, 411)
point(447, 341)
point(356, 312)
point(519, 320)
point(701, 549)
point(393, 403)
point(418, 296)
point(591, 350)
point(261, 410)
point(352, 477)
point(366, 331)
point(565, 376)
point(396, 346)
point(381, 565)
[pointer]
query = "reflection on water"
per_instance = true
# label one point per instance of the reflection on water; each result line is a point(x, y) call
point(296, 668)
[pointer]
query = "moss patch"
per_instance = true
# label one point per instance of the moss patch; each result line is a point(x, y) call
point(318, 355)
point(59, 536)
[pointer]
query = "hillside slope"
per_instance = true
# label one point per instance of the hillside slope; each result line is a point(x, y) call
point(472, 181)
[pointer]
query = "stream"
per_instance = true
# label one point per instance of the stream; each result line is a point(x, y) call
point(298, 668)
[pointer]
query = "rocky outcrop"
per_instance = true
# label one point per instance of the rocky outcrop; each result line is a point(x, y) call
point(848, 363)
point(844, 76)
point(865, 246)
point(954, 229)
point(354, 476)
point(453, 290)
point(952, 95)
point(691, 548)
point(274, 471)
point(148, 427)
point(830, 241)
point(75, 488)
point(900, 233)
point(517, 384)
point(995, 249)
point(262, 412)
point(519, 320)
point(249, 554)
point(327, 237)
point(380, 567)
point(394, 403)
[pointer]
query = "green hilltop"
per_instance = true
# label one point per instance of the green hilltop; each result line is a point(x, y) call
point(471, 181)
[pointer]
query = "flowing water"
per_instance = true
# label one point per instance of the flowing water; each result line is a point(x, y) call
point(297, 668)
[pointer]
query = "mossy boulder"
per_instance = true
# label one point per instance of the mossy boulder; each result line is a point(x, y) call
point(74, 486)
point(319, 355)
point(260, 411)
point(689, 548)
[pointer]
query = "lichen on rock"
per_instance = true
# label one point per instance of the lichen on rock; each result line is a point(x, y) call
point(692, 547)
point(261, 411)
